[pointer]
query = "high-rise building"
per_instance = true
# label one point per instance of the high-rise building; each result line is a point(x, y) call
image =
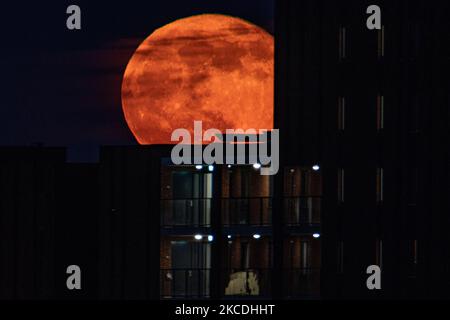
point(371, 107)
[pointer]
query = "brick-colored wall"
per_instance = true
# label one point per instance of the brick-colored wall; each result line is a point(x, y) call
point(294, 259)
point(258, 192)
point(293, 183)
point(259, 253)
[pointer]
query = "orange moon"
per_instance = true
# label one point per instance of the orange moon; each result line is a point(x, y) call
point(214, 68)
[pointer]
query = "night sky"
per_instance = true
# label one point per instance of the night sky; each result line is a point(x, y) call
point(62, 87)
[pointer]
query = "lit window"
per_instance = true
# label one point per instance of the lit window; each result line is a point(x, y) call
point(380, 112)
point(341, 113)
point(380, 184)
point(342, 43)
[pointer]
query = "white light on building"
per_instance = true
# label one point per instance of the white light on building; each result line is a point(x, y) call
point(198, 237)
point(256, 236)
point(257, 166)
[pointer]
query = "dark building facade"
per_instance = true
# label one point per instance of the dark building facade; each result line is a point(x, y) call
point(28, 206)
point(372, 107)
point(48, 217)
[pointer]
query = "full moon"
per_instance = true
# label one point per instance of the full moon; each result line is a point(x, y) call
point(211, 68)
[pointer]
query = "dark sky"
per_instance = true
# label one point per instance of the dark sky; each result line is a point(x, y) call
point(62, 87)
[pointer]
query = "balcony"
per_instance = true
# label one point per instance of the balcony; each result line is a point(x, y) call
point(248, 282)
point(302, 211)
point(302, 282)
point(238, 283)
point(236, 212)
point(247, 211)
point(184, 283)
point(195, 212)
point(195, 283)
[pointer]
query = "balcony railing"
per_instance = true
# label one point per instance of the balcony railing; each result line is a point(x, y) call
point(184, 283)
point(248, 282)
point(194, 212)
point(302, 282)
point(247, 211)
point(195, 283)
point(302, 210)
point(257, 211)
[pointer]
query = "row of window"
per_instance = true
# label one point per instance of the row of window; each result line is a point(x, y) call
point(379, 185)
point(411, 42)
point(342, 35)
point(411, 192)
point(379, 112)
point(412, 256)
point(413, 114)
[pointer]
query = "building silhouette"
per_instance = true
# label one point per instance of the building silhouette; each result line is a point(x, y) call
point(372, 107)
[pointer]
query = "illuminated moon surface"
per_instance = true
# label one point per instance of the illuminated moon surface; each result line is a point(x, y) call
point(214, 68)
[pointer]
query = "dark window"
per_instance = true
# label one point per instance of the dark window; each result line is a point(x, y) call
point(341, 185)
point(341, 113)
point(342, 43)
point(414, 115)
point(415, 39)
point(413, 185)
point(413, 248)
point(380, 184)
point(380, 112)
point(379, 253)
point(381, 42)
point(340, 256)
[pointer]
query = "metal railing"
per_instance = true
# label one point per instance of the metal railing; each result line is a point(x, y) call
point(195, 212)
point(185, 283)
point(302, 282)
point(247, 211)
point(248, 282)
point(302, 210)
point(256, 211)
point(195, 283)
